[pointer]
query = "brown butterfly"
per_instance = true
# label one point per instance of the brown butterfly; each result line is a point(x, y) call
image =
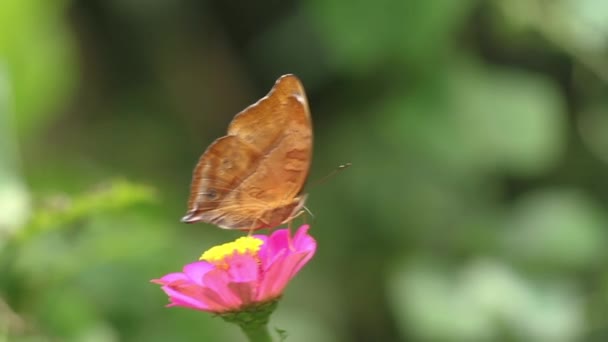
point(252, 178)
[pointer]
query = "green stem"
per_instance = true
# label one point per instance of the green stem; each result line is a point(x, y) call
point(257, 333)
point(253, 320)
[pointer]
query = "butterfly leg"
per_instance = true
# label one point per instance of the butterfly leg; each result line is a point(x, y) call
point(251, 229)
point(259, 223)
point(296, 216)
point(289, 223)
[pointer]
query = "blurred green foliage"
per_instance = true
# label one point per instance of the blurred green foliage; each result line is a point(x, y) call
point(475, 209)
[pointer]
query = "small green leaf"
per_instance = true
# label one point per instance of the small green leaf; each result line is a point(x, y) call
point(117, 195)
point(282, 334)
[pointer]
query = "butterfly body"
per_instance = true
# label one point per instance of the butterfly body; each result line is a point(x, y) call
point(252, 178)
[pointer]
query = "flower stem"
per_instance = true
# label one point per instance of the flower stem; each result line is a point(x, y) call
point(253, 320)
point(257, 334)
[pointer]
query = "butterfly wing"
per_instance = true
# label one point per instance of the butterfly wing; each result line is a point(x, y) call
point(286, 142)
point(252, 177)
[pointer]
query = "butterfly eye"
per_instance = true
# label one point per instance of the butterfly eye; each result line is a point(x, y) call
point(209, 195)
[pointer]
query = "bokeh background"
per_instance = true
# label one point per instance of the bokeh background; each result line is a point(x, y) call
point(475, 209)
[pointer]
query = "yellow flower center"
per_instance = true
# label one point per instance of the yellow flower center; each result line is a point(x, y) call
point(242, 245)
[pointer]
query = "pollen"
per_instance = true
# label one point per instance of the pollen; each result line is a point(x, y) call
point(242, 245)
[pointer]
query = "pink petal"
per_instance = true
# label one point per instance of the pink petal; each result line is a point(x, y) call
point(280, 273)
point(187, 302)
point(308, 254)
point(196, 271)
point(243, 268)
point(303, 241)
point(169, 278)
point(245, 291)
point(188, 289)
point(219, 281)
point(181, 294)
point(280, 245)
point(216, 301)
point(279, 240)
point(237, 285)
point(277, 244)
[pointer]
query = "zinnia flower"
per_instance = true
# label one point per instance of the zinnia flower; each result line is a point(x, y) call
point(245, 275)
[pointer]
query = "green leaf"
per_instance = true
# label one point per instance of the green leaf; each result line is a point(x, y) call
point(507, 119)
point(283, 334)
point(117, 195)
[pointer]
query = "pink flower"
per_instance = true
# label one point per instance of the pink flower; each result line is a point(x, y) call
point(246, 272)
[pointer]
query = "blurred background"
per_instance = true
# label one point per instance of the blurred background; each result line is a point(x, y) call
point(475, 209)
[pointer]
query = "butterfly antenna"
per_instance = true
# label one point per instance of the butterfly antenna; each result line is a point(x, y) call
point(309, 212)
point(337, 170)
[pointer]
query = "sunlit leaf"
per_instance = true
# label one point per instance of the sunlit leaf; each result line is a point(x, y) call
point(36, 51)
point(557, 228)
point(360, 37)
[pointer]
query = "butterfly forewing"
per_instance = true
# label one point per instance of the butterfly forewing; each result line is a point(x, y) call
point(252, 178)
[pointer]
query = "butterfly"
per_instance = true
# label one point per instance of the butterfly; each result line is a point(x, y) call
point(252, 178)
